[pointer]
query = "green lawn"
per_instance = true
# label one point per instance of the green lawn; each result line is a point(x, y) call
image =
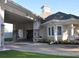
point(20, 54)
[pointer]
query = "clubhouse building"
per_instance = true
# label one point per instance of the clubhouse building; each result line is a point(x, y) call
point(28, 26)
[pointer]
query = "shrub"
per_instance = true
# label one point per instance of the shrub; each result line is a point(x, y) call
point(43, 41)
point(68, 42)
point(8, 39)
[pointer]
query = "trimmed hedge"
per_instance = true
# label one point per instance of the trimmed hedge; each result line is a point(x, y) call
point(8, 39)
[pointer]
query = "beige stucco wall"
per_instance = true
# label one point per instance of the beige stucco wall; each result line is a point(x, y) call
point(43, 32)
point(59, 37)
point(66, 32)
point(53, 38)
point(76, 29)
point(66, 27)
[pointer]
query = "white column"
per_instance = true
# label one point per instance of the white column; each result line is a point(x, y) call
point(14, 32)
point(72, 32)
point(55, 33)
point(1, 26)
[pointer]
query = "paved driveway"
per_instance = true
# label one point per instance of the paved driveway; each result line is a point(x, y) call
point(57, 49)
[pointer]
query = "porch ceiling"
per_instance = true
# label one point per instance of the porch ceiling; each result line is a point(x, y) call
point(14, 18)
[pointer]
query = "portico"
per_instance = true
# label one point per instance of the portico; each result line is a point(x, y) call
point(21, 26)
point(21, 18)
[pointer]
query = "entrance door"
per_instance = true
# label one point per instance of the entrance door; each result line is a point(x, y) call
point(30, 35)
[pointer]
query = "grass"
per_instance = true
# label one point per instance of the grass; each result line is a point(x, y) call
point(21, 54)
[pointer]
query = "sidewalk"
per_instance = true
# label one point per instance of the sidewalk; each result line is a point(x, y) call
point(56, 49)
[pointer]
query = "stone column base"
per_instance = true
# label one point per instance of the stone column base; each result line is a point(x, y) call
point(35, 35)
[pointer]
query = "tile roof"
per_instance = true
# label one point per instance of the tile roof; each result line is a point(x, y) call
point(60, 16)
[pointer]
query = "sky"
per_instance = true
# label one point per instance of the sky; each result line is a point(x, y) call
point(66, 6)
point(8, 27)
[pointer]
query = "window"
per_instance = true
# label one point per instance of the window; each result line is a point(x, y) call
point(49, 31)
point(52, 30)
point(59, 30)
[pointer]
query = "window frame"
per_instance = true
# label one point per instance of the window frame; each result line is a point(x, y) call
point(61, 30)
point(52, 30)
point(49, 31)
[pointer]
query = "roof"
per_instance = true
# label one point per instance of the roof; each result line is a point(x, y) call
point(21, 8)
point(60, 16)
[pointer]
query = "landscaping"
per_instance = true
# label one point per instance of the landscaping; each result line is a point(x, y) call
point(25, 54)
point(8, 39)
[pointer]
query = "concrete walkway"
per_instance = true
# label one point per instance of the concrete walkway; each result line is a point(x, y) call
point(56, 49)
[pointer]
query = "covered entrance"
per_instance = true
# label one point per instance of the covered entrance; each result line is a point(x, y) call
point(22, 27)
point(21, 18)
point(24, 22)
